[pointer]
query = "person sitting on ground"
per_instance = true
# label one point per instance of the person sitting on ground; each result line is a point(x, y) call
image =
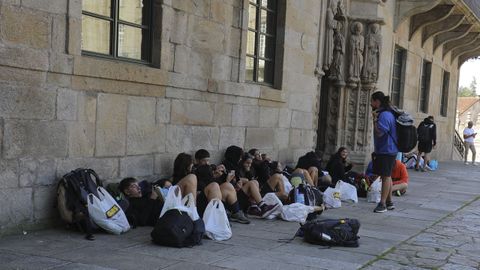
point(399, 178)
point(267, 182)
point(143, 209)
point(206, 177)
point(338, 167)
point(251, 188)
point(188, 182)
point(310, 166)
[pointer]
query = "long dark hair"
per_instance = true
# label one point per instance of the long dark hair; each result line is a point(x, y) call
point(181, 166)
point(384, 100)
point(339, 151)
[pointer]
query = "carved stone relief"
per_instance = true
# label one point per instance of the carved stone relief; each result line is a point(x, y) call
point(355, 53)
point(331, 25)
point(373, 49)
point(336, 67)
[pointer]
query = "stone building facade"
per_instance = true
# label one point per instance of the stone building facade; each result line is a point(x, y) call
point(68, 101)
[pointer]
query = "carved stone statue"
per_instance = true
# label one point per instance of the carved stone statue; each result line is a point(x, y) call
point(331, 25)
point(336, 72)
point(373, 48)
point(356, 53)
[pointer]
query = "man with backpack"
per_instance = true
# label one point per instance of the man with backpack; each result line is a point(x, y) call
point(385, 141)
point(427, 139)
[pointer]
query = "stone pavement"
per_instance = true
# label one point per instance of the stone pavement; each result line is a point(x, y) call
point(430, 228)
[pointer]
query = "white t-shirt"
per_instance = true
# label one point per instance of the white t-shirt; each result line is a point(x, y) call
point(469, 131)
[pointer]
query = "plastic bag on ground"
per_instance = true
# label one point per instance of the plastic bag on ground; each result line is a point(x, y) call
point(331, 198)
point(347, 192)
point(217, 226)
point(374, 192)
point(189, 202)
point(173, 201)
point(106, 213)
point(296, 212)
point(272, 199)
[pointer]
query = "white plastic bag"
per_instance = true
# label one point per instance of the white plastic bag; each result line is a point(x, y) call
point(374, 192)
point(347, 192)
point(189, 202)
point(173, 200)
point(106, 212)
point(331, 198)
point(296, 212)
point(288, 186)
point(272, 199)
point(217, 226)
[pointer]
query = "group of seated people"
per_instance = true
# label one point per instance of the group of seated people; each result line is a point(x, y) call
point(240, 182)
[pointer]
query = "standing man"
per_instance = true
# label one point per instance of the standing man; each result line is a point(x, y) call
point(385, 141)
point(469, 137)
point(427, 139)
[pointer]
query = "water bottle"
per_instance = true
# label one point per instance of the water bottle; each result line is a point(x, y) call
point(300, 198)
point(325, 237)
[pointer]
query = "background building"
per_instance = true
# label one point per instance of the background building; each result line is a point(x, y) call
point(124, 86)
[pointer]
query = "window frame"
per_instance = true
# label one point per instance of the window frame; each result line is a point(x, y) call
point(444, 96)
point(425, 85)
point(398, 82)
point(115, 20)
point(257, 32)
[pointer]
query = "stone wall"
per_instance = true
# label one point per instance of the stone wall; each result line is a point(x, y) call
point(60, 110)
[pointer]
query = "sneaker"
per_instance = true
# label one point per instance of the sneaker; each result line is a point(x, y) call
point(266, 209)
point(416, 169)
point(380, 208)
point(397, 193)
point(239, 217)
point(466, 163)
point(475, 164)
point(390, 206)
point(254, 211)
point(423, 170)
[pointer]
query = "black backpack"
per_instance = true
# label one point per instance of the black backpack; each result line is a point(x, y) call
point(176, 229)
point(423, 133)
point(72, 192)
point(331, 232)
point(406, 131)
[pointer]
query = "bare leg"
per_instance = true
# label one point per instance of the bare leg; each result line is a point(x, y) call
point(276, 183)
point(402, 187)
point(417, 166)
point(313, 171)
point(212, 191)
point(386, 189)
point(228, 193)
point(426, 160)
point(188, 184)
point(251, 189)
point(306, 175)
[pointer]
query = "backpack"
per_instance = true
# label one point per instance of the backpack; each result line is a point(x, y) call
point(176, 229)
point(423, 133)
point(311, 195)
point(406, 131)
point(72, 192)
point(331, 232)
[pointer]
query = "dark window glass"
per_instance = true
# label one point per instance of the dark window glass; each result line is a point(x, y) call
point(445, 87)
point(398, 76)
point(117, 29)
point(425, 86)
point(261, 41)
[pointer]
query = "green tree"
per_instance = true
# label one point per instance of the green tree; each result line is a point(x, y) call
point(473, 85)
point(466, 92)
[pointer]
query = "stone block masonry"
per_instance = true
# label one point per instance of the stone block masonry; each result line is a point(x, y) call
point(60, 110)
